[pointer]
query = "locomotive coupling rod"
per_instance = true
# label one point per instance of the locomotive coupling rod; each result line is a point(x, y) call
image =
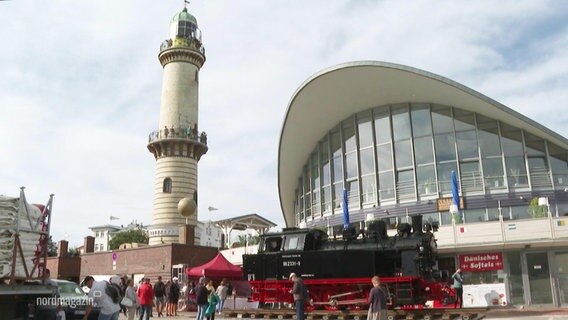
point(344, 294)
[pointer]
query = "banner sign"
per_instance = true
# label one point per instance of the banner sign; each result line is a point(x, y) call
point(443, 204)
point(481, 262)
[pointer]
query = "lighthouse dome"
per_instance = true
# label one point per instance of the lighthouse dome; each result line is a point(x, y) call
point(184, 16)
point(184, 25)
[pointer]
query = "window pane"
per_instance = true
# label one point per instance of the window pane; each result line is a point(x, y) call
point(470, 176)
point(511, 141)
point(431, 218)
point(405, 184)
point(367, 161)
point(464, 121)
point(369, 190)
point(445, 176)
point(324, 154)
point(520, 213)
point(400, 123)
point(335, 144)
point(386, 185)
point(442, 119)
point(446, 218)
point(351, 165)
point(489, 142)
point(403, 154)
point(426, 180)
point(467, 144)
point(559, 165)
point(493, 172)
point(326, 174)
point(535, 145)
point(421, 125)
point(337, 195)
point(382, 128)
point(492, 214)
point(445, 147)
point(314, 171)
point(349, 136)
point(538, 169)
point(384, 157)
point(337, 169)
point(308, 205)
point(474, 215)
point(423, 150)
point(326, 199)
point(365, 132)
point(516, 171)
point(353, 194)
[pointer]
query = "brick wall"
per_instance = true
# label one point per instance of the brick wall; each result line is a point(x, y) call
point(149, 261)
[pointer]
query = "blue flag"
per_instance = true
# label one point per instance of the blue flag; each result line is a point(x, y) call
point(345, 210)
point(455, 193)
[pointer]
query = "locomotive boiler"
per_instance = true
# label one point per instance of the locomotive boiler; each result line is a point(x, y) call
point(337, 272)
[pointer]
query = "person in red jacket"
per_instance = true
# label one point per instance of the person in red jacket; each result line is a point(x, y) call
point(145, 296)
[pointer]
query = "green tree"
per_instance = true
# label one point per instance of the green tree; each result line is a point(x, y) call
point(242, 240)
point(130, 236)
point(74, 252)
point(51, 247)
point(535, 210)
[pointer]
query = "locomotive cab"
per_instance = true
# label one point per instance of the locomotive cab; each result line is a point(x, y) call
point(292, 239)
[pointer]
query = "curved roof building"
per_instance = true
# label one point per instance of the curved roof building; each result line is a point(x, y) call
point(387, 137)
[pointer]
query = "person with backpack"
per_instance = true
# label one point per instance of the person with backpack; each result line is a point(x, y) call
point(159, 293)
point(146, 297)
point(102, 294)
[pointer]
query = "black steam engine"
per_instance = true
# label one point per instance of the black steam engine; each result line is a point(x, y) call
point(338, 271)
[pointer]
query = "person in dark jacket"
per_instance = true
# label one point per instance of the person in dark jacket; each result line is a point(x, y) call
point(173, 297)
point(377, 301)
point(201, 297)
point(300, 294)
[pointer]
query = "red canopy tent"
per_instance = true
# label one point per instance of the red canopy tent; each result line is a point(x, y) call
point(218, 267)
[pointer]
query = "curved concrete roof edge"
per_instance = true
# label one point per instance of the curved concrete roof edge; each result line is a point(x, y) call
point(404, 68)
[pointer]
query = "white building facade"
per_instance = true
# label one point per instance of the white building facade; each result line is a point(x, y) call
point(390, 136)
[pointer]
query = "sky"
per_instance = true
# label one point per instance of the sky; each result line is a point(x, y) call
point(80, 87)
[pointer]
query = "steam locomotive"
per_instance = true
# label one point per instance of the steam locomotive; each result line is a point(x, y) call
point(338, 272)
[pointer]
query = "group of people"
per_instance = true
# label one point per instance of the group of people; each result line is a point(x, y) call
point(181, 132)
point(139, 300)
point(211, 300)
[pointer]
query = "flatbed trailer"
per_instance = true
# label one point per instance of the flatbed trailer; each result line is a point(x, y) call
point(396, 314)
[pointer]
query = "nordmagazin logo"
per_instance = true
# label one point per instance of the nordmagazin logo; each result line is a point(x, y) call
point(72, 302)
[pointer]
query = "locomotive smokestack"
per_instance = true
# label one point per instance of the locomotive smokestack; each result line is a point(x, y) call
point(417, 224)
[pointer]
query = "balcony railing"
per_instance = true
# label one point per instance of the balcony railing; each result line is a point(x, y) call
point(502, 232)
point(178, 133)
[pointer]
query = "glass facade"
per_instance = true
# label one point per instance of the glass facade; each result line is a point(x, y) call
point(404, 154)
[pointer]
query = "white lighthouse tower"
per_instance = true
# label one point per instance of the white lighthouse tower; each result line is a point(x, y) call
point(178, 144)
